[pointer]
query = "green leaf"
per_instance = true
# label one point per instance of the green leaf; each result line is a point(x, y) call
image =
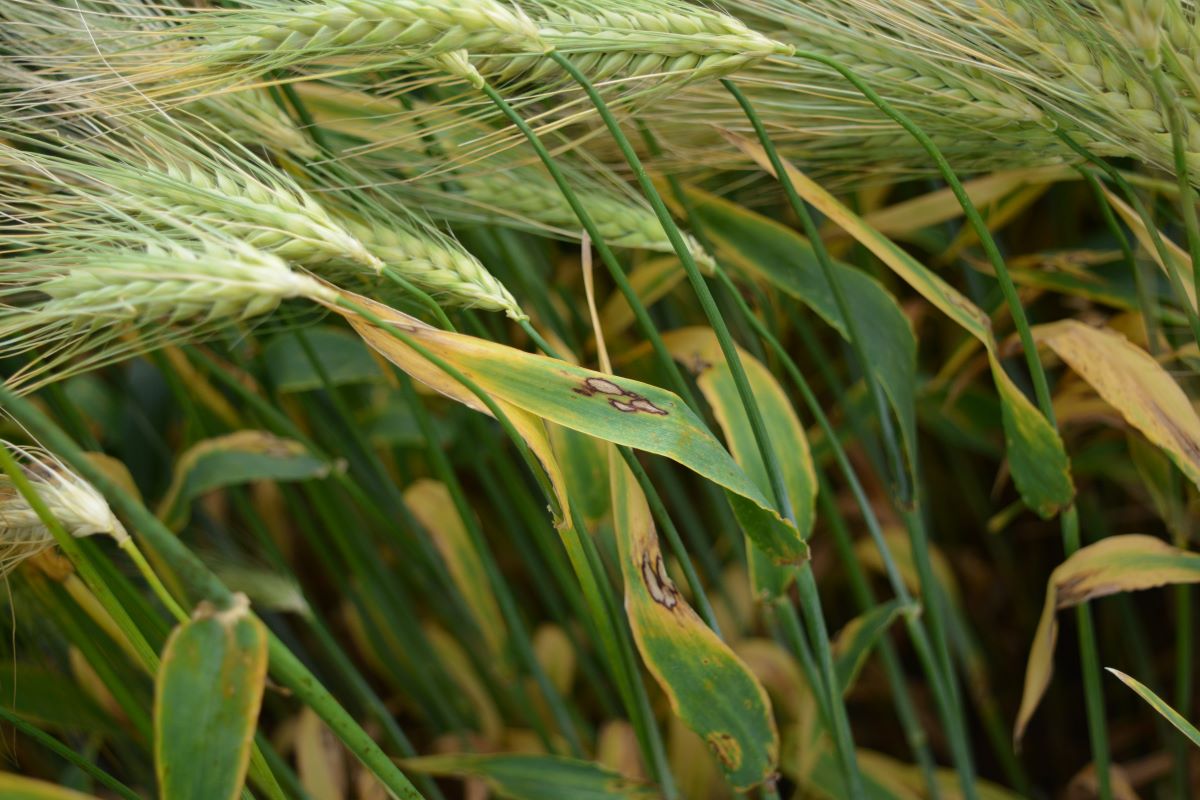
point(341, 354)
point(1125, 563)
point(1158, 704)
point(1036, 455)
point(206, 701)
point(44, 698)
point(709, 687)
point(17, 787)
point(764, 249)
point(855, 641)
point(529, 777)
point(234, 459)
point(612, 408)
point(699, 352)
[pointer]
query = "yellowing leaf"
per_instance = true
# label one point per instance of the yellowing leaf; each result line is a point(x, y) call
point(709, 687)
point(611, 408)
point(941, 205)
point(1132, 382)
point(699, 352)
point(1036, 456)
point(1125, 563)
point(769, 251)
point(431, 504)
point(17, 787)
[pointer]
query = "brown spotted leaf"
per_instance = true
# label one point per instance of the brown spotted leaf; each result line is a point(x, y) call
point(1125, 563)
point(608, 407)
point(709, 687)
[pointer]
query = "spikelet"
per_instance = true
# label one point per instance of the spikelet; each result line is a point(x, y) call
point(438, 265)
point(73, 501)
point(322, 28)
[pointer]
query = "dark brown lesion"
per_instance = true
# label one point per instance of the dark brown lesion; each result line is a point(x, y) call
point(624, 400)
point(654, 575)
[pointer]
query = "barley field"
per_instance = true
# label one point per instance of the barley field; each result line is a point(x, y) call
point(609, 400)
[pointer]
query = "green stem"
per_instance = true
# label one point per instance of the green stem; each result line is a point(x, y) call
point(1160, 247)
point(1094, 698)
point(900, 475)
point(60, 749)
point(645, 324)
point(1177, 125)
point(810, 597)
point(590, 571)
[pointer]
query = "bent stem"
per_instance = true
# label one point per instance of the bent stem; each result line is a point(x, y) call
point(810, 599)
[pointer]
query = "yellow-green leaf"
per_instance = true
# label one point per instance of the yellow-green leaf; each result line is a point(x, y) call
point(1125, 563)
point(206, 700)
point(18, 787)
point(1035, 452)
point(233, 459)
point(535, 777)
point(1158, 704)
point(699, 352)
point(431, 504)
point(709, 687)
point(1131, 381)
point(767, 250)
point(612, 408)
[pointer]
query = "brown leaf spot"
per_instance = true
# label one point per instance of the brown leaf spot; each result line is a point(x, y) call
point(726, 749)
point(661, 589)
point(642, 404)
point(593, 386)
point(622, 400)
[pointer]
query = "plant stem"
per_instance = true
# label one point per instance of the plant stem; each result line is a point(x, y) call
point(60, 749)
point(809, 595)
point(645, 324)
point(1069, 520)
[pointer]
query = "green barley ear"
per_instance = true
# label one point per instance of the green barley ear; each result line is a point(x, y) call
point(74, 502)
point(280, 33)
point(616, 39)
point(86, 307)
point(530, 195)
point(144, 170)
point(438, 265)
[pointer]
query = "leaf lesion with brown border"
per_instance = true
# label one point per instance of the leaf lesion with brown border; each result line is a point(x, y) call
point(624, 400)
